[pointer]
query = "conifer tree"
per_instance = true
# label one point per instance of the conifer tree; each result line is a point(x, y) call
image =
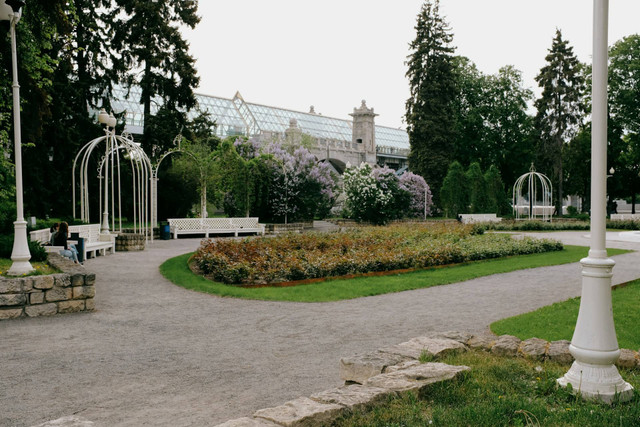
point(155, 56)
point(559, 109)
point(478, 195)
point(496, 197)
point(430, 110)
point(455, 191)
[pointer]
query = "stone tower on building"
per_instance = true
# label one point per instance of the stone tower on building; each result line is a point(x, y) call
point(364, 131)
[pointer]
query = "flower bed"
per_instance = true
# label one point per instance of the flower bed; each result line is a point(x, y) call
point(368, 249)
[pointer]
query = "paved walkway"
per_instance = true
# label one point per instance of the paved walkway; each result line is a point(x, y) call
point(156, 354)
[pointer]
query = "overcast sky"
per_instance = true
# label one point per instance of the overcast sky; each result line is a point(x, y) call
point(334, 53)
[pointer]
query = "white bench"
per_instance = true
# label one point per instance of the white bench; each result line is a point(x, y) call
point(473, 218)
point(94, 242)
point(208, 226)
point(622, 217)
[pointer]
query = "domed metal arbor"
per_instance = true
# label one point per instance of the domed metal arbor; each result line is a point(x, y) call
point(117, 150)
point(532, 195)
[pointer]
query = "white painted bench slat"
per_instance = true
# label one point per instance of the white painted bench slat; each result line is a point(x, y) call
point(208, 226)
point(473, 218)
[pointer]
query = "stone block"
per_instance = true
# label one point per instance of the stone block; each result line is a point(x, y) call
point(360, 367)
point(27, 284)
point(301, 412)
point(70, 306)
point(41, 310)
point(354, 396)
point(627, 358)
point(12, 299)
point(58, 294)
point(10, 286)
point(77, 279)
point(416, 377)
point(70, 421)
point(90, 279)
point(506, 345)
point(438, 347)
point(11, 313)
point(461, 337)
point(534, 348)
point(559, 352)
point(43, 282)
point(84, 292)
point(89, 305)
point(36, 297)
point(62, 280)
point(404, 365)
point(248, 422)
point(484, 342)
point(433, 346)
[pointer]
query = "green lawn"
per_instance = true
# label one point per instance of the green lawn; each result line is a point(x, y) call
point(499, 391)
point(177, 271)
point(557, 321)
point(40, 268)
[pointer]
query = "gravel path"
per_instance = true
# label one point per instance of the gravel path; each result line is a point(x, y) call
point(156, 354)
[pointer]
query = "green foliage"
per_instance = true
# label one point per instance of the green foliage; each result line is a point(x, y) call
point(455, 191)
point(493, 127)
point(478, 193)
point(430, 108)
point(624, 111)
point(560, 109)
point(497, 200)
point(363, 250)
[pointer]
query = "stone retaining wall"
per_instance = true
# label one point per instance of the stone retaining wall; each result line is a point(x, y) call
point(294, 227)
point(130, 242)
point(67, 292)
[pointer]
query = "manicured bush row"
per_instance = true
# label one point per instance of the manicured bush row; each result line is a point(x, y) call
point(362, 250)
point(558, 225)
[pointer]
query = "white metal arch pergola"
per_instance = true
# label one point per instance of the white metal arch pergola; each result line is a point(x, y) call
point(109, 174)
point(535, 203)
point(154, 185)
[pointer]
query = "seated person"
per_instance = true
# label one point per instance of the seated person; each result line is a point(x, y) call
point(53, 230)
point(60, 239)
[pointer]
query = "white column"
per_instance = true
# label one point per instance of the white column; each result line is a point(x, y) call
point(594, 345)
point(20, 254)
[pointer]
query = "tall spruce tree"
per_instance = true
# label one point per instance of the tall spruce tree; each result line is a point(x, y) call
point(430, 108)
point(559, 109)
point(155, 56)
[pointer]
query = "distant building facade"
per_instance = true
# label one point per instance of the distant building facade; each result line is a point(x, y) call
point(338, 141)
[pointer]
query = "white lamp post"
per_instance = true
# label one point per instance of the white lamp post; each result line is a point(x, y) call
point(594, 345)
point(110, 123)
point(10, 10)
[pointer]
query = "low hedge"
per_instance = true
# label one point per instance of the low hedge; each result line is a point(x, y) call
point(558, 225)
point(362, 250)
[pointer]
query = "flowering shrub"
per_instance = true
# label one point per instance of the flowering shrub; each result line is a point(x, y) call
point(361, 250)
point(275, 184)
point(418, 191)
point(374, 195)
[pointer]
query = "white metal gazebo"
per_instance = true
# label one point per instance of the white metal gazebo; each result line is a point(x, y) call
point(532, 196)
point(117, 150)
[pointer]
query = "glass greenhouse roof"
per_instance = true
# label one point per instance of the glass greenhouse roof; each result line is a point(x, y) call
point(237, 117)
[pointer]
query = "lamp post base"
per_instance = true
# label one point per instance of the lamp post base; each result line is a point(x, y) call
point(597, 382)
point(20, 254)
